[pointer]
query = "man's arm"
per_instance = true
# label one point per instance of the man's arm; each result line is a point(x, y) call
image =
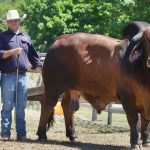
point(34, 59)
point(5, 54)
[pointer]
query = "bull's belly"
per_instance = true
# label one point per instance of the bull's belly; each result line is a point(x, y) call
point(105, 92)
point(100, 100)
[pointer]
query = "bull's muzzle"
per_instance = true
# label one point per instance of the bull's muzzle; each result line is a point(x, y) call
point(148, 62)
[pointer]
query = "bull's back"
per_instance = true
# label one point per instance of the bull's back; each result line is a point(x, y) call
point(81, 61)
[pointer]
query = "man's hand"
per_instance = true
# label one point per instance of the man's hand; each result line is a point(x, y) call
point(17, 50)
point(11, 52)
point(38, 69)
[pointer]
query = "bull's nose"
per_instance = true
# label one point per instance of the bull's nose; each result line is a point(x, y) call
point(148, 62)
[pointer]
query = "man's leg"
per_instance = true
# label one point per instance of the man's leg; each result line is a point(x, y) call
point(7, 91)
point(20, 107)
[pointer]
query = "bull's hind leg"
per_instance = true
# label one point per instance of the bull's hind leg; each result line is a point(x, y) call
point(70, 104)
point(145, 132)
point(46, 117)
point(74, 100)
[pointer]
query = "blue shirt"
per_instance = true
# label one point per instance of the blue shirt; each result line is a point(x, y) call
point(10, 40)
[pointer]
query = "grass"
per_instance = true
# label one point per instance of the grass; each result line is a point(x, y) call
point(91, 135)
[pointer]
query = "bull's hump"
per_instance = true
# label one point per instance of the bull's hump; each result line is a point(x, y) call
point(95, 38)
point(84, 37)
point(86, 42)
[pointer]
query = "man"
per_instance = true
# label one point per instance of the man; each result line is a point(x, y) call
point(16, 51)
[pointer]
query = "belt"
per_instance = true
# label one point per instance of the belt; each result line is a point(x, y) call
point(15, 73)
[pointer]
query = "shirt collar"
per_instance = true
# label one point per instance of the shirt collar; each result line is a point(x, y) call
point(18, 32)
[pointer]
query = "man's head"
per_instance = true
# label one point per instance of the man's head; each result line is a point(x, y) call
point(13, 20)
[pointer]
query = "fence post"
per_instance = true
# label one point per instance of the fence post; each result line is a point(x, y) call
point(109, 121)
point(139, 123)
point(94, 115)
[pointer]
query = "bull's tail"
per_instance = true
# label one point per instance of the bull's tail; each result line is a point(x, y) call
point(51, 121)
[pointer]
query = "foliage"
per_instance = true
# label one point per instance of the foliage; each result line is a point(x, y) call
point(50, 18)
point(47, 19)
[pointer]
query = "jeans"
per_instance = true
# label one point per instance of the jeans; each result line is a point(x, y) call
point(8, 91)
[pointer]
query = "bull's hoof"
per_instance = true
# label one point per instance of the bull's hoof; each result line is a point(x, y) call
point(71, 134)
point(136, 146)
point(42, 140)
point(41, 135)
point(146, 144)
point(72, 138)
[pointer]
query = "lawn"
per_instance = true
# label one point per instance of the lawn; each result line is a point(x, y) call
point(91, 135)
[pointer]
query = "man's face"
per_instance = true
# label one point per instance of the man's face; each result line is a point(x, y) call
point(13, 25)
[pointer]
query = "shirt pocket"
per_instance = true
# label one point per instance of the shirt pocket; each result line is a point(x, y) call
point(11, 44)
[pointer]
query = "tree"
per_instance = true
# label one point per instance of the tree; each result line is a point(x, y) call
point(47, 19)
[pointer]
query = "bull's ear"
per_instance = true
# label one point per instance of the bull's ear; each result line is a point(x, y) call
point(135, 53)
point(120, 48)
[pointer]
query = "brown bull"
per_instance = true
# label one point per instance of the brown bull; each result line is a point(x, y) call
point(133, 28)
point(90, 64)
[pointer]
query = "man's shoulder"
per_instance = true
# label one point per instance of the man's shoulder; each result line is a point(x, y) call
point(3, 33)
point(26, 37)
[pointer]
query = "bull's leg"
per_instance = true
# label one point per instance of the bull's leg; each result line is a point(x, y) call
point(74, 100)
point(132, 117)
point(47, 111)
point(145, 135)
point(133, 122)
point(69, 115)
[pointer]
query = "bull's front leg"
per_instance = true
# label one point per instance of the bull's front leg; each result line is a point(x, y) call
point(134, 135)
point(127, 101)
point(47, 112)
point(145, 131)
point(70, 103)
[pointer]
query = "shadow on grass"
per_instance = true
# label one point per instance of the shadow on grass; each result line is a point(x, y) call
point(78, 145)
point(91, 146)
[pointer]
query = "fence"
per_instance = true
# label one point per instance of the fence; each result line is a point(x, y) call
point(111, 108)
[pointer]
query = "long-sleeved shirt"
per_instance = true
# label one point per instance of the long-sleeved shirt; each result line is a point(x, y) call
point(10, 40)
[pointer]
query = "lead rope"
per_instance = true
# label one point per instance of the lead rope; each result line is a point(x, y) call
point(16, 92)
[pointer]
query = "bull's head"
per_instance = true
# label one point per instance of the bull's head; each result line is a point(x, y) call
point(142, 48)
point(135, 53)
point(134, 50)
point(146, 45)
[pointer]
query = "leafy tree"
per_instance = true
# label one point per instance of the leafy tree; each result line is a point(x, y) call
point(47, 19)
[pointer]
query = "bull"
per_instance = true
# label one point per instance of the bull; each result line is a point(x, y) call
point(133, 28)
point(93, 65)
